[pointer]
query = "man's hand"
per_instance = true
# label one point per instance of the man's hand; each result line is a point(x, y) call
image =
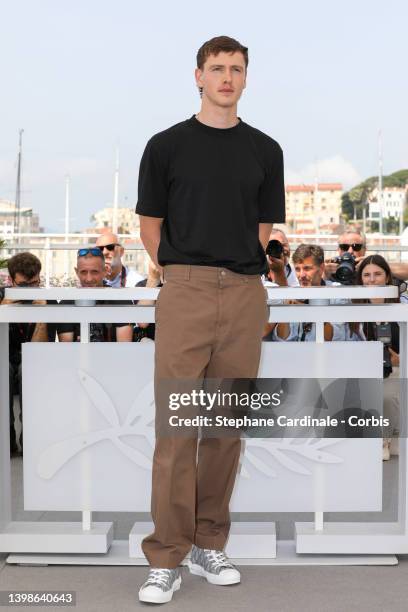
point(358, 261)
point(329, 269)
point(42, 302)
point(395, 360)
point(276, 265)
point(277, 268)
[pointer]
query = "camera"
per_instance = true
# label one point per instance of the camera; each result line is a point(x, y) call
point(382, 333)
point(346, 271)
point(274, 249)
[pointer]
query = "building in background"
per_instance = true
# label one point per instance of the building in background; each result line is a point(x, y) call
point(394, 200)
point(312, 209)
point(29, 221)
point(128, 221)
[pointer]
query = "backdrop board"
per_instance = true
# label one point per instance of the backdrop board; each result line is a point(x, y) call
point(89, 433)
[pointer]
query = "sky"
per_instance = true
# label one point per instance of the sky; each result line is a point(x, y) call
point(85, 77)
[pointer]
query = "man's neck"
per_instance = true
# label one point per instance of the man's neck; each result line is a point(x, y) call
point(114, 274)
point(217, 116)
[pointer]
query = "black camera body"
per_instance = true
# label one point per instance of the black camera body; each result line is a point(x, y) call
point(274, 249)
point(382, 332)
point(346, 271)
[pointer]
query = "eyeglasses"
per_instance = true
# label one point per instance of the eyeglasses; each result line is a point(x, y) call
point(356, 246)
point(110, 247)
point(95, 251)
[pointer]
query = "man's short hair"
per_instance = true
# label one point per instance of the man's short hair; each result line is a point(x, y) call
point(26, 264)
point(309, 250)
point(218, 45)
point(353, 230)
point(275, 231)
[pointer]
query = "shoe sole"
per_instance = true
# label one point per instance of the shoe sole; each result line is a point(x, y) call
point(165, 598)
point(197, 570)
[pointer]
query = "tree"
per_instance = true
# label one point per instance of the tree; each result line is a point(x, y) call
point(3, 262)
point(356, 199)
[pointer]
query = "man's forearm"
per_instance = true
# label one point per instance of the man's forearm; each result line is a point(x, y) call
point(399, 270)
point(151, 244)
point(150, 230)
point(40, 333)
point(264, 233)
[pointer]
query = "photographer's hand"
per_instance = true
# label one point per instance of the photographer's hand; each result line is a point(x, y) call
point(358, 261)
point(329, 269)
point(395, 360)
point(277, 267)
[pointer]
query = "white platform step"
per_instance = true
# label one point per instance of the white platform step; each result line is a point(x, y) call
point(246, 540)
point(351, 538)
point(55, 537)
point(118, 554)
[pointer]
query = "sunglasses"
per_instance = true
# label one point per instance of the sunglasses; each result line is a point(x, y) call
point(95, 251)
point(356, 246)
point(110, 247)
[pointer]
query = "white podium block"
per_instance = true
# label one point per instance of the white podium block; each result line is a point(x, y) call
point(55, 537)
point(351, 538)
point(252, 540)
point(246, 540)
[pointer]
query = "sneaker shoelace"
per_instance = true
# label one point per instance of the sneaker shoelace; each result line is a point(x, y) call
point(159, 576)
point(218, 559)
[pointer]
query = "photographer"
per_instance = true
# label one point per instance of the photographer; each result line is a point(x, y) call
point(278, 256)
point(308, 262)
point(351, 252)
point(91, 271)
point(280, 273)
point(24, 271)
point(375, 271)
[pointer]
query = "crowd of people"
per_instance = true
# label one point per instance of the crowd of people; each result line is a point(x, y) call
point(101, 266)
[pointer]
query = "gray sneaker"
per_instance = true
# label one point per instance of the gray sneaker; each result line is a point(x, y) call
point(213, 565)
point(160, 585)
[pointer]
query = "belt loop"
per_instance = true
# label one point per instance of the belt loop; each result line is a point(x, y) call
point(187, 272)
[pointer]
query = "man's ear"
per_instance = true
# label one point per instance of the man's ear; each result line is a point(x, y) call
point(198, 73)
point(76, 271)
point(122, 250)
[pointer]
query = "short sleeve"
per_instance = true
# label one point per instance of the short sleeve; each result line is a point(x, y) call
point(152, 187)
point(272, 190)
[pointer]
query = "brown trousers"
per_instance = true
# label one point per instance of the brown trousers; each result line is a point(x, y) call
point(209, 324)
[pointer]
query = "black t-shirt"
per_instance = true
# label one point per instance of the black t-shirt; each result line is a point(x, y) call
point(212, 187)
point(98, 332)
point(19, 333)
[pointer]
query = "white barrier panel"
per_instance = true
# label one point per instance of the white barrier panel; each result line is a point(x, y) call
point(89, 433)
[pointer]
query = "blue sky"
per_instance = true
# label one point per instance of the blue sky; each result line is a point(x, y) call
point(82, 77)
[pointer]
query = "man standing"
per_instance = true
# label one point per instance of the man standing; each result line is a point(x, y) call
point(117, 275)
point(210, 188)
